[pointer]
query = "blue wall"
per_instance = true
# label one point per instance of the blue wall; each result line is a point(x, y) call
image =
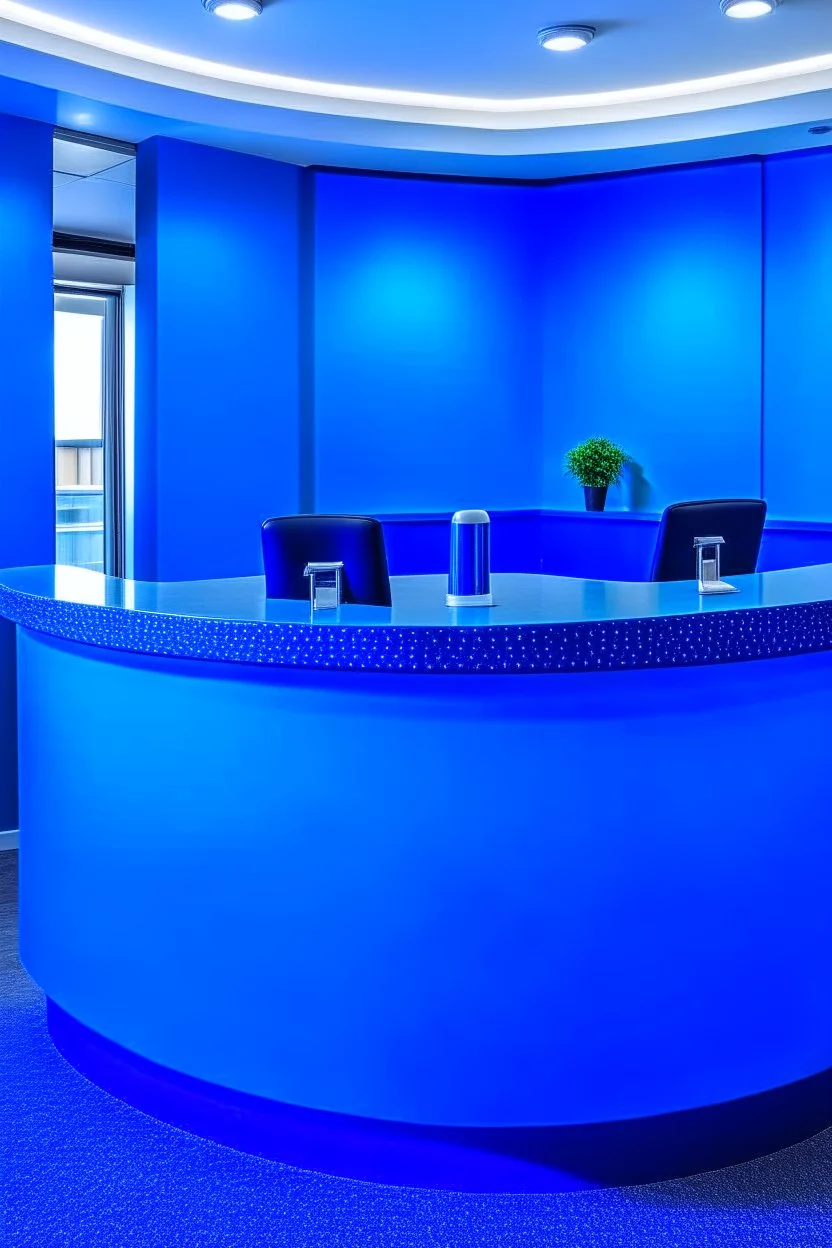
point(467, 335)
point(27, 499)
point(652, 334)
point(464, 336)
point(217, 358)
point(611, 545)
point(798, 359)
point(454, 339)
point(427, 372)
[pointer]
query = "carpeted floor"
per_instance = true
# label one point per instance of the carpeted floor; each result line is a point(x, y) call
point(79, 1168)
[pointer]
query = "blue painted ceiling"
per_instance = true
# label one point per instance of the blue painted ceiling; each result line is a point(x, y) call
point(471, 47)
point(456, 47)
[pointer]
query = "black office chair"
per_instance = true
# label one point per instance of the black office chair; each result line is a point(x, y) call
point(739, 520)
point(291, 542)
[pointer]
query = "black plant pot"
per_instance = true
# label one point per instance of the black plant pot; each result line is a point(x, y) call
point(595, 497)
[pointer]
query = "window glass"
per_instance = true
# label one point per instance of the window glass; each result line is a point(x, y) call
point(79, 342)
point(79, 446)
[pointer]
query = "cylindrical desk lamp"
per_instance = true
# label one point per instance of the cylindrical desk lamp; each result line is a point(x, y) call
point(469, 580)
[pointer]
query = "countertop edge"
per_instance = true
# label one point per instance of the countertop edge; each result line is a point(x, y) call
point(690, 640)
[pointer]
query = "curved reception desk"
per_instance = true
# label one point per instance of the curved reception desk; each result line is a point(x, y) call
point(518, 898)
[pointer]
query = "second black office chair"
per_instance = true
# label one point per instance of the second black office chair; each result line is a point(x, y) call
point(739, 520)
point(291, 542)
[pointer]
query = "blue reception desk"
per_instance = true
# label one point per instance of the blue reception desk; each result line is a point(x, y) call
point(514, 898)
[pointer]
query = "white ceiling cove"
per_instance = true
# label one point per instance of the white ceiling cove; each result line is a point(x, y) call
point(438, 86)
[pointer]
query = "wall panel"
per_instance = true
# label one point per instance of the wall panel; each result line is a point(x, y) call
point(798, 341)
point(652, 331)
point(217, 408)
point(427, 375)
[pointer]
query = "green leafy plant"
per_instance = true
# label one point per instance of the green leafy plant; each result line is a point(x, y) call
point(596, 462)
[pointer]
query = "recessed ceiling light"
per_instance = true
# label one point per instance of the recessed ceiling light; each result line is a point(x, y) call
point(748, 8)
point(234, 10)
point(565, 38)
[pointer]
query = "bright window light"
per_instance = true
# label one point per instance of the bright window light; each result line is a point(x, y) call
point(78, 366)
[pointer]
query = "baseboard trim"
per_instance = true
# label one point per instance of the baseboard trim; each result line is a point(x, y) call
point(9, 840)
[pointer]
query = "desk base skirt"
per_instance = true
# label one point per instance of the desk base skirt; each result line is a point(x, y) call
point(522, 1159)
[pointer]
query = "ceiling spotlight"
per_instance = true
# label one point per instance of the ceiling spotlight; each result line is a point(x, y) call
point(234, 10)
point(748, 8)
point(565, 38)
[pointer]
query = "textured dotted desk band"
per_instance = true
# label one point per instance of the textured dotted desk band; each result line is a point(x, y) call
point(606, 646)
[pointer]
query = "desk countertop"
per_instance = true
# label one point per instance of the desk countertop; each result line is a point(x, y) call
point(538, 623)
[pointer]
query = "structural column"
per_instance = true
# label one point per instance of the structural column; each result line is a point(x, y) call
point(27, 478)
point(217, 422)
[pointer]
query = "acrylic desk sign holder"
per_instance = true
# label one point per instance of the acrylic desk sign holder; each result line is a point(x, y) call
point(325, 585)
point(707, 566)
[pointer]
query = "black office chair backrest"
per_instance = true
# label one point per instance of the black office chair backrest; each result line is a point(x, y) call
point(739, 520)
point(291, 542)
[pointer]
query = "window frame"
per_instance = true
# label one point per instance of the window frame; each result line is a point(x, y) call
point(112, 412)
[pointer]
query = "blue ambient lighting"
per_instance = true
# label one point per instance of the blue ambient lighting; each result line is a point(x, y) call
point(700, 917)
point(518, 1159)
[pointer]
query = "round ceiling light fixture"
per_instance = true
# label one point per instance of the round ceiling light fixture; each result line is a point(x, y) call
point(565, 38)
point(234, 10)
point(748, 8)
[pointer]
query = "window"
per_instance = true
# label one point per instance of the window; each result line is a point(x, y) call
point(89, 404)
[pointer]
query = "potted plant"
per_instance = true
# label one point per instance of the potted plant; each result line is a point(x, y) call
point(596, 465)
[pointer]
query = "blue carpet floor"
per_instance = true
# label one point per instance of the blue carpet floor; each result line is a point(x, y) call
point(79, 1168)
